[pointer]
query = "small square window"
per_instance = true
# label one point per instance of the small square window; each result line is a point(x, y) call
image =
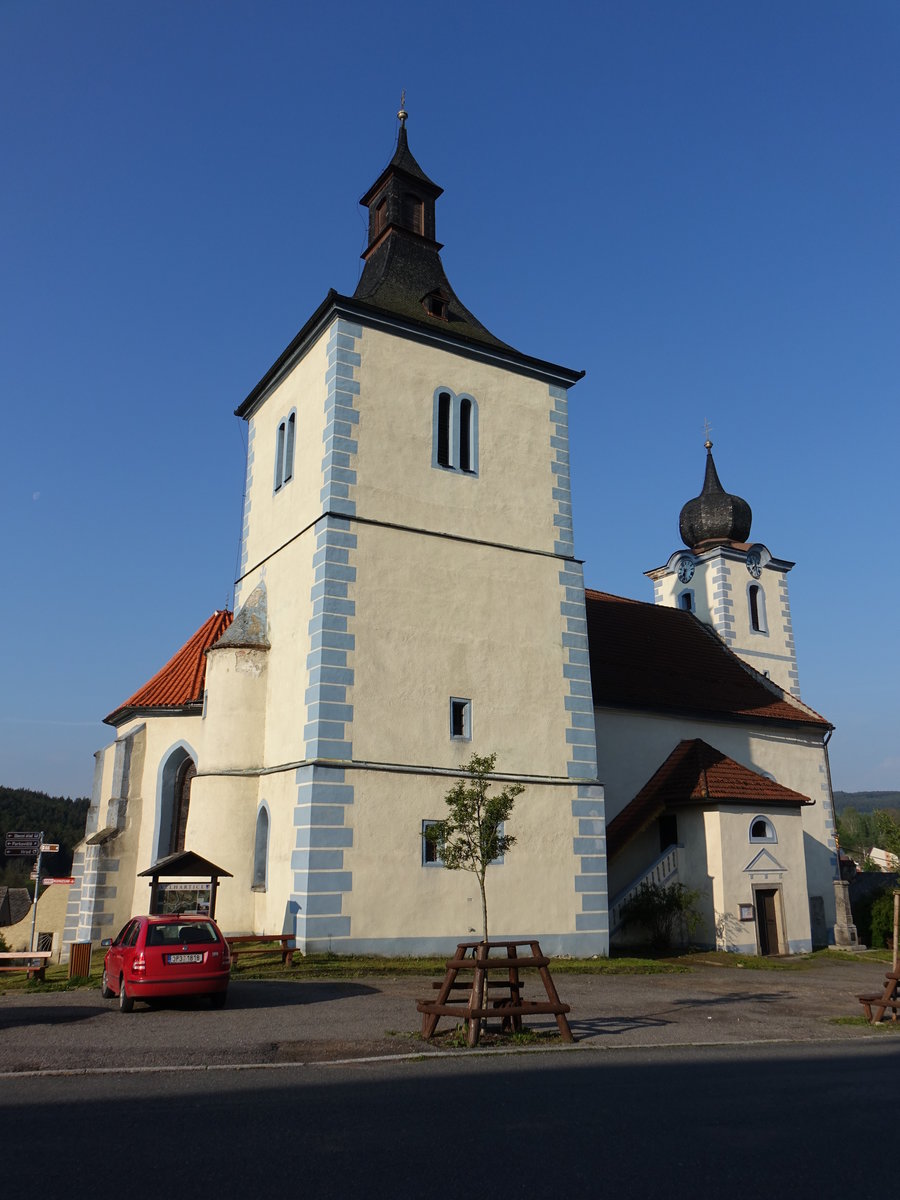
point(460, 719)
point(431, 856)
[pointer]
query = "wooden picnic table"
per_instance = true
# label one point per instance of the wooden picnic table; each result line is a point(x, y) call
point(888, 999)
point(493, 997)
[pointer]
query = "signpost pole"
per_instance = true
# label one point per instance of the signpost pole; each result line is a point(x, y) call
point(37, 888)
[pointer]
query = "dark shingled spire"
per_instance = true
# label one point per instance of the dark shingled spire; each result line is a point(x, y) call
point(403, 272)
point(714, 515)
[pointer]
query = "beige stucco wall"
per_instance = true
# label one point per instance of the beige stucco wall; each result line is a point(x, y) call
point(51, 918)
point(507, 501)
point(275, 516)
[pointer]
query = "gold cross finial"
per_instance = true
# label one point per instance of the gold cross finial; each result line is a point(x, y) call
point(706, 429)
point(402, 114)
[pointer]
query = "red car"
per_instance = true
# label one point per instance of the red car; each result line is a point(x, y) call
point(155, 957)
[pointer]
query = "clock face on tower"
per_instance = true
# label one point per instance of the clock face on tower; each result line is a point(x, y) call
point(754, 564)
point(685, 570)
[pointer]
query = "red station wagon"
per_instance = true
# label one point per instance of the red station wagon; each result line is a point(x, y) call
point(155, 957)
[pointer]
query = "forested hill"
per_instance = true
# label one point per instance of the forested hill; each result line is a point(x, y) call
point(60, 818)
point(866, 802)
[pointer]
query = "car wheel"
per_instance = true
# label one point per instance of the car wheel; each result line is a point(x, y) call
point(126, 1002)
point(217, 999)
point(105, 990)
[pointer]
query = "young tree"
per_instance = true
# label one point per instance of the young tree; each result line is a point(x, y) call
point(471, 836)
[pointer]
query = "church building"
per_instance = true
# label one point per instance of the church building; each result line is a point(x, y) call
point(408, 596)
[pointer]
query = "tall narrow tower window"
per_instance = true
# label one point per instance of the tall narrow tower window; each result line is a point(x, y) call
point(455, 432)
point(444, 417)
point(289, 447)
point(756, 600)
point(284, 451)
point(465, 434)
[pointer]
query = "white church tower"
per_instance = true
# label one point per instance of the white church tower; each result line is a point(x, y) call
point(408, 558)
point(736, 586)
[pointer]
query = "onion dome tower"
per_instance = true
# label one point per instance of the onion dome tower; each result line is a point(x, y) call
point(737, 587)
point(715, 515)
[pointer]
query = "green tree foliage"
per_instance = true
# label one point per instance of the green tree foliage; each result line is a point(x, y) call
point(61, 819)
point(857, 832)
point(662, 910)
point(470, 838)
point(881, 920)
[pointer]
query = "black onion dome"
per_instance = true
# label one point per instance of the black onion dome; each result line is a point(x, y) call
point(714, 515)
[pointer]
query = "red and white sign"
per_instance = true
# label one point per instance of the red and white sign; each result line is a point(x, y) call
point(60, 879)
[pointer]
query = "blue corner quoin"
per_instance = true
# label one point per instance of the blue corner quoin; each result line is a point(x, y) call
point(589, 843)
point(324, 828)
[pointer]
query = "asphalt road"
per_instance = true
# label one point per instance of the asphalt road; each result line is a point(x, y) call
point(802, 1121)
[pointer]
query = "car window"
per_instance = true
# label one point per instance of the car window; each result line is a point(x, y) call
point(119, 939)
point(163, 935)
point(132, 935)
point(198, 933)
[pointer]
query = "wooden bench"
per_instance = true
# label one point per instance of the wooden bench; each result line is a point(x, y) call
point(34, 962)
point(264, 943)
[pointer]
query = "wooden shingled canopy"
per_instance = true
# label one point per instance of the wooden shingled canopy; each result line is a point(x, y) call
point(185, 865)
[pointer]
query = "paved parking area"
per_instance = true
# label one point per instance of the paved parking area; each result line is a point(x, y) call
point(271, 1022)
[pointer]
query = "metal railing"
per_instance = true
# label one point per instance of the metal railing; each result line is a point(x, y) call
point(662, 871)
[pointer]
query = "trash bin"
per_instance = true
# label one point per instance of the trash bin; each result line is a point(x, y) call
point(80, 959)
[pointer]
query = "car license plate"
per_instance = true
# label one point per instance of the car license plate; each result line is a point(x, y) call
point(185, 958)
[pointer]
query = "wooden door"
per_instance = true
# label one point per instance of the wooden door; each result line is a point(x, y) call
point(766, 922)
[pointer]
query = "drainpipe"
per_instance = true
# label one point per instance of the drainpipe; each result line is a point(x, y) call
point(837, 852)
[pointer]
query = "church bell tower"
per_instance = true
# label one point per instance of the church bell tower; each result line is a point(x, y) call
point(734, 585)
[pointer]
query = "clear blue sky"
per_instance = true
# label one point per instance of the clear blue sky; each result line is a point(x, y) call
point(695, 202)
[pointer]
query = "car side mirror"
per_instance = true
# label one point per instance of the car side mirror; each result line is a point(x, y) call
point(106, 942)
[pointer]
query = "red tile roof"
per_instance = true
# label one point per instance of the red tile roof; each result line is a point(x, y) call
point(647, 656)
point(696, 773)
point(179, 684)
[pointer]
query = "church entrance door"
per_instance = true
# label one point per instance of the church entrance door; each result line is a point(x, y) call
point(766, 921)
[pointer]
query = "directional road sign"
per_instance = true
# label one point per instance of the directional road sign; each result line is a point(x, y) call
point(60, 879)
point(22, 843)
point(49, 847)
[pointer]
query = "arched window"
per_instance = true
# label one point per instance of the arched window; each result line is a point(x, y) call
point(455, 432)
point(284, 451)
point(465, 434)
point(261, 851)
point(762, 830)
point(444, 433)
point(756, 600)
point(686, 601)
point(289, 447)
point(183, 781)
point(177, 773)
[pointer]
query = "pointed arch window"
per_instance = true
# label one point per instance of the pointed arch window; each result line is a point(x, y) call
point(183, 780)
point(261, 851)
point(284, 451)
point(455, 432)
